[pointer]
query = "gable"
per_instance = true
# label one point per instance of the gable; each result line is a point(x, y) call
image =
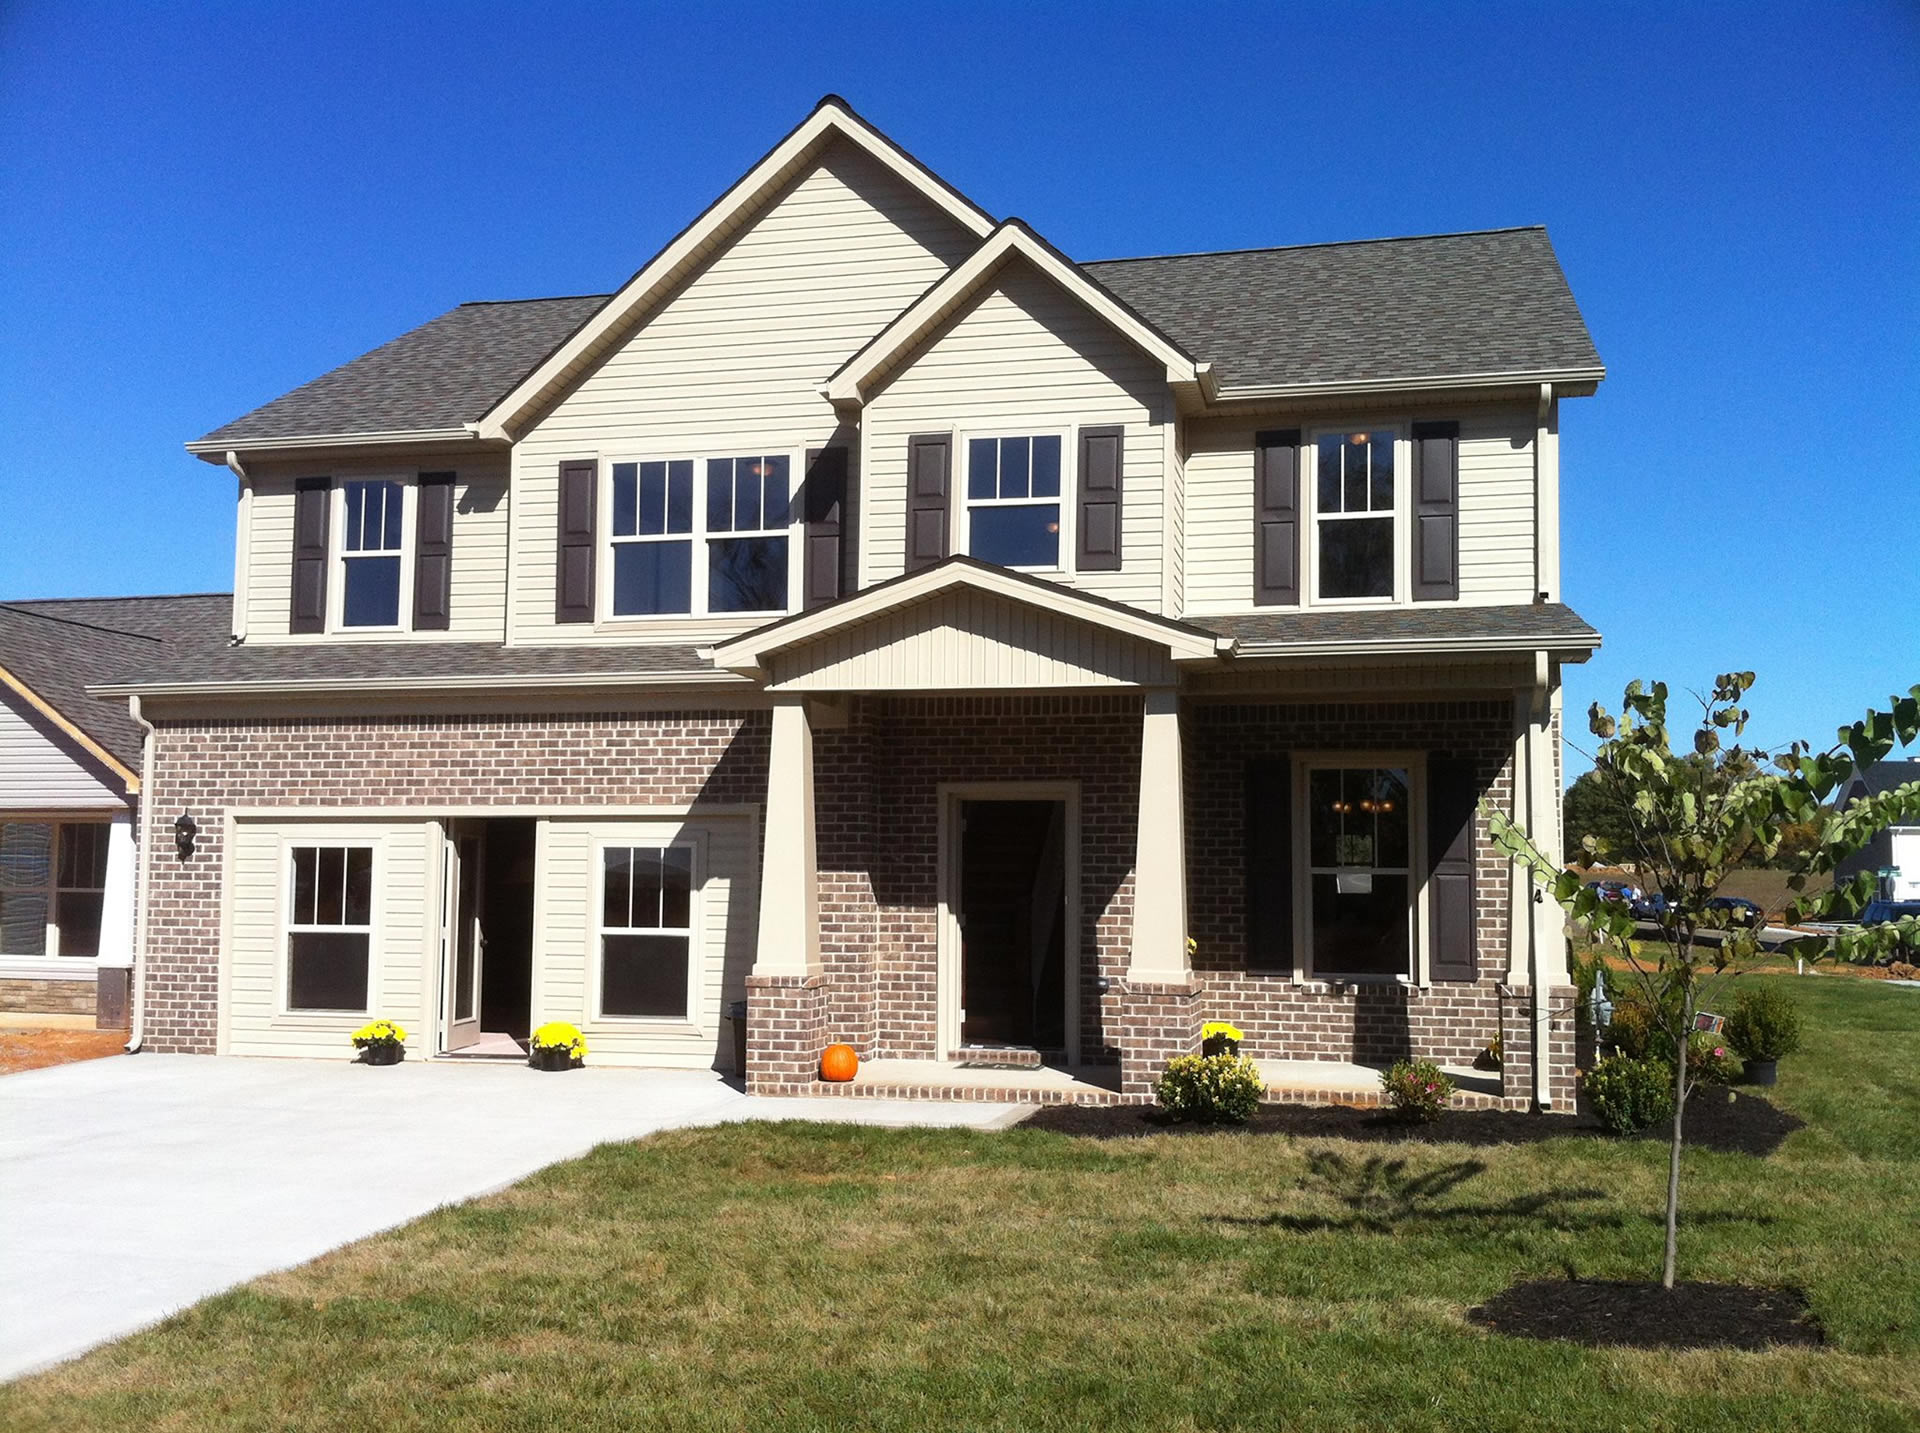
point(42, 769)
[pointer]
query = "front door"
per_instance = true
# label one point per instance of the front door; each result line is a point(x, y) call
point(1013, 924)
point(463, 940)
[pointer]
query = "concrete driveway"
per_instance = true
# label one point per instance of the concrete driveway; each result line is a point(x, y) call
point(136, 1186)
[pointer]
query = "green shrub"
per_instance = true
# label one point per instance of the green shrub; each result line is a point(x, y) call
point(1211, 1089)
point(1633, 1030)
point(1630, 1094)
point(1416, 1090)
point(1709, 1061)
point(1765, 1023)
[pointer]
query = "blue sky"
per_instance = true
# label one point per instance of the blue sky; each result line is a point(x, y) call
point(203, 206)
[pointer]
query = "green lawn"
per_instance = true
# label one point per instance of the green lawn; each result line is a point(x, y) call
point(835, 1277)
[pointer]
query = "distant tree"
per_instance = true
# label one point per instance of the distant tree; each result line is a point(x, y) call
point(1589, 810)
point(1691, 818)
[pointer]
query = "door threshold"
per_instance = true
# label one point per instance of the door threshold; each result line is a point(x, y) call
point(492, 1045)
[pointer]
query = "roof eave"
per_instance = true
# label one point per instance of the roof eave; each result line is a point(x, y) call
point(314, 686)
point(1568, 647)
point(1566, 381)
point(214, 449)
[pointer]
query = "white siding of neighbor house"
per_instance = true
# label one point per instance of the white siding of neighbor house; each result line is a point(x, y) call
point(43, 769)
point(479, 595)
point(404, 976)
point(970, 641)
point(1023, 357)
point(1496, 507)
point(733, 361)
point(567, 917)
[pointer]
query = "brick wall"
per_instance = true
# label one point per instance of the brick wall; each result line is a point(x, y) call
point(47, 997)
point(421, 763)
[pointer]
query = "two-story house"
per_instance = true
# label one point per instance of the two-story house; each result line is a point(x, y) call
point(870, 613)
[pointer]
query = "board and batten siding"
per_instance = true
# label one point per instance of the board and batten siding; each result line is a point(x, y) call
point(404, 978)
point(1496, 506)
point(1023, 357)
point(567, 924)
point(480, 525)
point(732, 362)
point(43, 769)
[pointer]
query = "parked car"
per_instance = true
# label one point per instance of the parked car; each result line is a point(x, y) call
point(1738, 910)
point(1649, 906)
point(1615, 891)
point(1885, 912)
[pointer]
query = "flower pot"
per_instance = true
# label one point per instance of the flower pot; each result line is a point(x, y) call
point(1761, 1072)
point(1219, 1045)
point(384, 1053)
point(550, 1057)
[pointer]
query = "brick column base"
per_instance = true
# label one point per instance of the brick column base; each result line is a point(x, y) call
point(1151, 1024)
point(1516, 1045)
point(786, 1031)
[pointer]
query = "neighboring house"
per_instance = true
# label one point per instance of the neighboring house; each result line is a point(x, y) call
point(1893, 855)
point(872, 614)
point(69, 790)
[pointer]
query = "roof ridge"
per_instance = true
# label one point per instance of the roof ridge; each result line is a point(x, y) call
point(73, 622)
point(1322, 244)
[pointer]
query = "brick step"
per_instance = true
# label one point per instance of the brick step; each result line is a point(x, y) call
point(998, 1057)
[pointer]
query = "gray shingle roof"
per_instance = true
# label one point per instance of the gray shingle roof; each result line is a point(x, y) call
point(1448, 304)
point(59, 648)
point(446, 372)
point(401, 662)
point(1550, 622)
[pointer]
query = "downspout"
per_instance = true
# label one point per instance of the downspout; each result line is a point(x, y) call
point(142, 859)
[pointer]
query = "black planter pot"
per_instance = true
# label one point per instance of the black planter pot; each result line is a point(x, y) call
point(385, 1053)
point(1219, 1045)
point(551, 1058)
point(1761, 1072)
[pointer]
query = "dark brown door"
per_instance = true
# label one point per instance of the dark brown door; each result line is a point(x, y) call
point(1012, 912)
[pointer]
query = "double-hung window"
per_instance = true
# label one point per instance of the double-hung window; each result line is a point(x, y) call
point(370, 552)
point(1013, 500)
point(26, 871)
point(646, 932)
point(1359, 873)
point(1354, 515)
point(80, 889)
point(747, 516)
point(697, 537)
point(53, 879)
point(652, 538)
point(329, 927)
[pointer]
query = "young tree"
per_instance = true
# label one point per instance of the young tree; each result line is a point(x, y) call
point(1686, 819)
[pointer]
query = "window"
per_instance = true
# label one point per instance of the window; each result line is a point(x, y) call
point(26, 850)
point(1354, 515)
point(1359, 871)
point(329, 927)
point(1013, 500)
point(725, 548)
point(370, 547)
point(81, 888)
point(646, 931)
point(53, 880)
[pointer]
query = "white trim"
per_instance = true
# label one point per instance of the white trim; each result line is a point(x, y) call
point(1419, 922)
point(947, 939)
point(964, 504)
point(49, 967)
point(431, 814)
point(1401, 515)
point(499, 681)
point(831, 120)
point(1524, 377)
point(284, 928)
point(695, 843)
point(217, 449)
point(338, 558)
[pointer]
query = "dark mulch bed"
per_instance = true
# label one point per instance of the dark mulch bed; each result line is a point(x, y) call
point(1746, 1124)
point(1648, 1316)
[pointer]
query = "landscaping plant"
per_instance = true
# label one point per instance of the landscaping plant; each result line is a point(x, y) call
point(1629, 1093)
point(1765, 1023)
point(1416, 1090)
point(1210, 1089)
point(1683, 820)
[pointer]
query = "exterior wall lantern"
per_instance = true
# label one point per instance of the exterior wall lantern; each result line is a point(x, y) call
point(184, 830)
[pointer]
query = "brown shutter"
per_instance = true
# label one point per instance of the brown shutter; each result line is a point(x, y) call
point(823, 508)
point(1269, 837)
point(1436, 493)
point(433, 554)
point(929, 485)
point(311, 499)
point(1452, 794)
point(1102, 459)
point(1276, 518)
point(573, 587)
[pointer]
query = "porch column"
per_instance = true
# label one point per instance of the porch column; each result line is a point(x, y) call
point(114, 967)
point(789, 942)
point(1537, 961)
point(1160, 860)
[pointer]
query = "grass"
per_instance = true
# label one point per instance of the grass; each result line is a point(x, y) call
point(791, 1276)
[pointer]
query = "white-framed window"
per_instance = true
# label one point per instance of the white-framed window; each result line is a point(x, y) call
point(1358, 870)
point(329, 927)
point(53, 877)
point(703, 536)
point(370, 517)
point(647, 955)
point(1015, 486)
point(1358, 544)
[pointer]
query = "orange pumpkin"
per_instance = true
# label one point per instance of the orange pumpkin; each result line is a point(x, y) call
point(838, 1064)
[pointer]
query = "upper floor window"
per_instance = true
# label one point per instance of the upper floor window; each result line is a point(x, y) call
point(1013, 500)
point(1354, 515)
point(722, 549)
point(370, 551)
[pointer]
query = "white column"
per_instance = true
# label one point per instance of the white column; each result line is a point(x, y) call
point(1160, 859)
point(789, 899)
point(116, 908)
point(1550, 922)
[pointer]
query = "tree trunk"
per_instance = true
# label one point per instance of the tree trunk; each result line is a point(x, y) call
point(1673, 1159)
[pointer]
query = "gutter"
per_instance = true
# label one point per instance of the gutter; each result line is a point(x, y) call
point(309, 686)
point(1334, 387)
point(136, 1034)
point(1439, 646)
point(221, 450)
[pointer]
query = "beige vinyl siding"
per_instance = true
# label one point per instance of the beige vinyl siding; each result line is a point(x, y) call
point(1496, 506)
point(1023, 357)
point(43, 769)
point(480, 526)
point(1175, 599)
point(732, 363)
point(567, 920)
point(403, 978)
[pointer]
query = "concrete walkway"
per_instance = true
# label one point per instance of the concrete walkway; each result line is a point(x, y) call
point(132, 1187)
